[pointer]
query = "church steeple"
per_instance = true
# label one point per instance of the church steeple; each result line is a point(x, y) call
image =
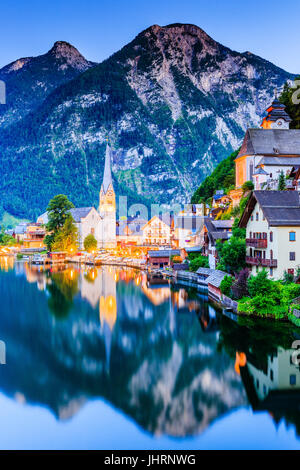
point(107, 179)
point(276, 116)
point(107, 194)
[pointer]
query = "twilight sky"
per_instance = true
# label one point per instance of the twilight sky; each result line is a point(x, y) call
point(100, 27)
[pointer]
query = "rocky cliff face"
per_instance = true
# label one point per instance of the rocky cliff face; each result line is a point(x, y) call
point(174, 102)
point(31, 79)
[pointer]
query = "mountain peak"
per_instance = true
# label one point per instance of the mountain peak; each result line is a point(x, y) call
point(64, 50)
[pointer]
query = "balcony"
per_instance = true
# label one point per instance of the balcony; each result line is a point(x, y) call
point(258, 261)
point(257, 242)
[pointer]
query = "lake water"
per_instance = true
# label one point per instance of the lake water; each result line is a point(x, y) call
point(110, 359)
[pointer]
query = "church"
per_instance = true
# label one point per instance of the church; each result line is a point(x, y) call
point(101, 223)
point(268, 151)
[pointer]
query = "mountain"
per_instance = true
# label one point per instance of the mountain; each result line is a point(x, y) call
point(174, 103)
point(31, 79)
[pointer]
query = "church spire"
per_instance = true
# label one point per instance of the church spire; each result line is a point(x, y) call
point(107, 178)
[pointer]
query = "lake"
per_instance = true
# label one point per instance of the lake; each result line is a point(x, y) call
point(108, 358)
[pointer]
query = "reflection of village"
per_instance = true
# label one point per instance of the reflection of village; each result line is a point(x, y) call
point(98, 286)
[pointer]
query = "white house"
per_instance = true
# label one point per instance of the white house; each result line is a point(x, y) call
point(272, 222)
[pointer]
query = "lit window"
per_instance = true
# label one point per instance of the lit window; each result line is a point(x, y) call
point(292, 236)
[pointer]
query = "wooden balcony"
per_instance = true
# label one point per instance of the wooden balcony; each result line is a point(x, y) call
point(257, 242)
point(258, 261)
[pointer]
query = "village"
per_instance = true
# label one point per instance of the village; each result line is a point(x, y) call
point(186, 245)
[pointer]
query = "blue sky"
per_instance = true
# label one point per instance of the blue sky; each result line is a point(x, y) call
point(100, 27)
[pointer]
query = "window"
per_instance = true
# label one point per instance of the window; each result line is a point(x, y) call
point(271, 236)
point(92, 231)
point(292, 379)
point(292, 236)
point(252, 218)
point(292, 255)
point(271, 272)
point(256, 216)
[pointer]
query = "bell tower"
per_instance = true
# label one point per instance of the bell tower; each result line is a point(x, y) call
point(107, 204)
point(277, 117)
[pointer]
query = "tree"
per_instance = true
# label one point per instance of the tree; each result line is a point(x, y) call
point(58, 212)
point(225, 285)
point(232, 254)
point(66, 239)
point(248, 186)
point(281, 182)
point(199, 262)
point(90, 243)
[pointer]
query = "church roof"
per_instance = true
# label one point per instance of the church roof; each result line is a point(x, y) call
point(260, 171)
point(107, 178)
point(271, 142)
point(79, 213)
point(277, 111)
point(279, 161)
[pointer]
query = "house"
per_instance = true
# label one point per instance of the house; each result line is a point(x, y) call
point(34, 236)
point(19, 232)
point(212, 278)
point(185, 228)
point(212, 231)
point(157, 231)
point(129, 231)
point(162, 258)
point(273, 148)
point(272, 222)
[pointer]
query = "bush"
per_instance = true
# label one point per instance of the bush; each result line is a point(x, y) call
point(90, 243)
point(199, 262)
point(226, 285)
point(248, 186)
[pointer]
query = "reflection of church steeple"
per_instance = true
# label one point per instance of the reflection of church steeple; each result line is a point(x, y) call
point(108, 309)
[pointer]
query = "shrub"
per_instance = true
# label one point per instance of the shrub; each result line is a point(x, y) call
point(226, 285)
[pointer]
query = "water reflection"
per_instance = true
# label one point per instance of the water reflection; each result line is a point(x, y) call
point(160, 353)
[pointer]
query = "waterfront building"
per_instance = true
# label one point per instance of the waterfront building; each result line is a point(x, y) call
point(163, 258)
point(129, 231)
point(273, 148)
point(212, 231)
point(157, 231)
point(272, 222)
point(34, 236)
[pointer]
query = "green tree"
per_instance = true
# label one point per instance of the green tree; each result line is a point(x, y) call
point(90, 243)
point(281, 182)
point(58, 212)
point(232, 254)
point(248, 186)
point(292, 108)
point(225, 285)
point(199, 262)
point(66, 239)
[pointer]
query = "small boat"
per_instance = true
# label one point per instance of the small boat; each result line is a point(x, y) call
point(37, 259)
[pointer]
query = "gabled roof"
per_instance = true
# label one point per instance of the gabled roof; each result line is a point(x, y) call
point(260, 171)
point(79, 213)
point(164, 253)
point(271, 142)
point(279, 161)
point(280, 208)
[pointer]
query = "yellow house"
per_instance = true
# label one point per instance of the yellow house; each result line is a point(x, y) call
point(34, 236)
point(157, 231)
point(272, 222)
